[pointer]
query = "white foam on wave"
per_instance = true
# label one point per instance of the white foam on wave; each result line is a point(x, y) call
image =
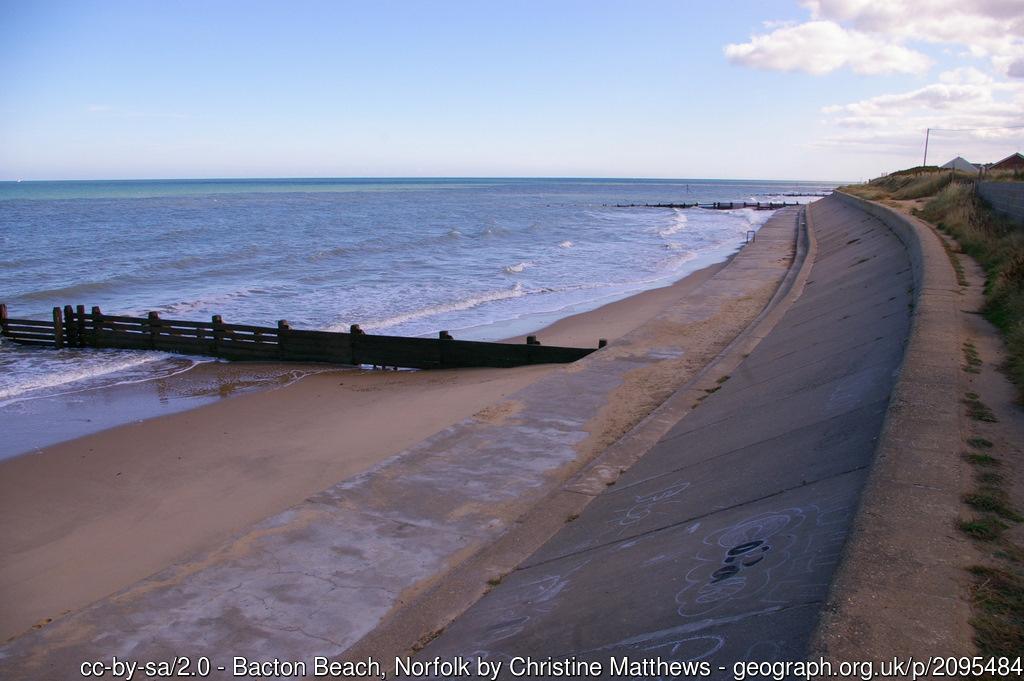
point(678, 224)
point(208, 302)
point(69, 371)
point(517, 268)
point(566, 244)
point(467, 303)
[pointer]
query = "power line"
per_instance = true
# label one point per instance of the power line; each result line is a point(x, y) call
point(994, 127)
point(928, 133)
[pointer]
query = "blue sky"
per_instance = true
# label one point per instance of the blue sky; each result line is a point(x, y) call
point(630, 89)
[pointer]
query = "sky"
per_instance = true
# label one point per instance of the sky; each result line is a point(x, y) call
point(781, 89)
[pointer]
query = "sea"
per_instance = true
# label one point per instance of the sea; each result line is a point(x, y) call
point(485, 259)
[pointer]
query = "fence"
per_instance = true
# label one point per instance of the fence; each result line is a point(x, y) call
point(1006, 198)
point(74, 327)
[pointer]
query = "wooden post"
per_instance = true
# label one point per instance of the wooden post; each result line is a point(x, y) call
point(97, 325)
point(444, 335)
point(153, 322)
point(355, 332)
point(80, 325)
point(218, 333)
point(532, 340)
point(3, 318)
point(70, 328)
point(58, 328)
point(283, 327)
point(602, 343)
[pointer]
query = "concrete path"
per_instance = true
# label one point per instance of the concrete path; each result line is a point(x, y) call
point(317, 578)
point(721, 542)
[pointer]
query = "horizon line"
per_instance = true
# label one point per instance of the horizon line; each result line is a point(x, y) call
point(418, 177)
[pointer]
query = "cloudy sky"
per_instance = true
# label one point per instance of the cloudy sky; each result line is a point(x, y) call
point(820, 89)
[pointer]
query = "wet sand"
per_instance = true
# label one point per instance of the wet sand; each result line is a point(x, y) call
point(87, 517)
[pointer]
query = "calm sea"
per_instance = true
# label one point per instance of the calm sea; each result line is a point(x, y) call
point(483, 258)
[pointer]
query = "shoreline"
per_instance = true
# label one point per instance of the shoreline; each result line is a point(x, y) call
point(34, 423)
point(76, 510)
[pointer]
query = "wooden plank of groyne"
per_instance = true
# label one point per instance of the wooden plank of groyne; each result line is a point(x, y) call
point(75, 327)
point(28, 341)
point(69, 326)
point(58, 328)
point(398, 351)
point(29, 325)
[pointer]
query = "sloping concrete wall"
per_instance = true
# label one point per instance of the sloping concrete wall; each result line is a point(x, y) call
point(1007, 198)
point(720, 544)
point(903, 541)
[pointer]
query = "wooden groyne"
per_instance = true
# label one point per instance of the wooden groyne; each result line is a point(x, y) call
point(719, 205)
point(76, 328)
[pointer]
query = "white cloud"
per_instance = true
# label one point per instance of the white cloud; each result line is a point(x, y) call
point(870, 36)
point(992, 29)
point(969, 109)
point(969, 112)
point(820, 47)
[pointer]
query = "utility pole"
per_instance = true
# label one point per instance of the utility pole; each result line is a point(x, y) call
point(927, 134)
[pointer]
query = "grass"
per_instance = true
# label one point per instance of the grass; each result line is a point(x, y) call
point(984, 528)
point(991, 500)
point(993, 241)
point(913, 183)
point(979, 443)
point(982, 459)
point(998, 246)
point(989, 478)
point(972, 360)
point(978, 410)
point(998, 597)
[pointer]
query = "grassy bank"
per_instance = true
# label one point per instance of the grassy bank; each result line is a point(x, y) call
point(949, 202)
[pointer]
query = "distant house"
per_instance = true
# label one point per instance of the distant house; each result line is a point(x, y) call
point(962, 164)
point(1011, 162)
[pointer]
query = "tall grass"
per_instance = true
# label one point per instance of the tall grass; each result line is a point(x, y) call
point(998, 246)
point(912, 185)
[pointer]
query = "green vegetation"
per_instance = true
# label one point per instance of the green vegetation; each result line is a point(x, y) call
point(978, 410)
point(971, 358)
point(985, 528)
point(998, 597)
point(981, 459)
point(998, 246)
point(991, 500)
point(913, 183)
point(979, 443)
point(994, 242)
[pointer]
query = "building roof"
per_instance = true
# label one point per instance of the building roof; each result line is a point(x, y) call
point(1015, 160)
point(960, 163)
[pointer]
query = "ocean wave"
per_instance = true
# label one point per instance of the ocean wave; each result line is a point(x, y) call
point(566, 244)
point(517, 268)
point(209, 302)
point(678, 224)
point(516, 291)
point(327, 253)
point(30, 374)
point(72, 293)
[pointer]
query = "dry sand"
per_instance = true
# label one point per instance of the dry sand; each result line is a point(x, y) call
point(87, 517)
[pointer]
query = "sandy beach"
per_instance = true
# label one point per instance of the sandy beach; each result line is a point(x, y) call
point(82, 515)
